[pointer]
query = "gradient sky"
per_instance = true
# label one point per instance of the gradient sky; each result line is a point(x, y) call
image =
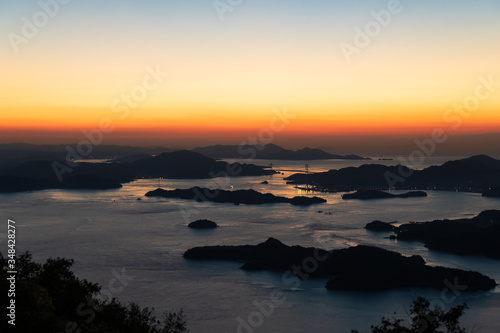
point(226, 77)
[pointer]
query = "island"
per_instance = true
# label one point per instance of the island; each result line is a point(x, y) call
point(474, 174)
point(479, 235)
point(61, 174)
point(249, 197)
point(376, 194)
point(492, 192)
point(380, 226)
point(356, 268)
point(271, 152)
point(11, 184)
point(203, 224)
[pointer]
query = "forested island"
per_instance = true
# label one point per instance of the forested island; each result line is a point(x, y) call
point(249, 197)
point(355, 268)
point(477, 174)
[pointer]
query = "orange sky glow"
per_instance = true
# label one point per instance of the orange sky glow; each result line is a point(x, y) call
point(224, 79)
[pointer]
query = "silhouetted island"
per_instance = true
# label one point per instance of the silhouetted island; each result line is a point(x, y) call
point(9, 184)
point(492, 192)
point(380, 226)
point(38, 175)
point(375, 194)
point(355, 268)
point(270, 152)
point(473, 174)
point(479, 235)
point(249, 197)
point(203, 224)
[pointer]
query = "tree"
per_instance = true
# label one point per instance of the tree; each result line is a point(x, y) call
point(50, 298)
point(423, 319)
point(174, 322)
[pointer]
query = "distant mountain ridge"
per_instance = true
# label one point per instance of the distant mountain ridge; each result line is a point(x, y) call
point(100, 151)
point(12, 154)
point(270, 152)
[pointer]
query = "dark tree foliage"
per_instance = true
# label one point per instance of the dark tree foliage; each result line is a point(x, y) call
point(423, 319)
point(50, 298)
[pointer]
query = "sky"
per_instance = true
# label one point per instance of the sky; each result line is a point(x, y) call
point(225, 68)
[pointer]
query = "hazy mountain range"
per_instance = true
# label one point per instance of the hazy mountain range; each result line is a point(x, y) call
point(41, 174)
point(13, 154)
point(270, 152)
point(476, 174)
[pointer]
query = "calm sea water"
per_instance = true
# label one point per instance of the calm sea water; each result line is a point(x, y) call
point(112, 230)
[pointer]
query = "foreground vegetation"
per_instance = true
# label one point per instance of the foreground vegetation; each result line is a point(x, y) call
point(50, 298)
point(424, 319)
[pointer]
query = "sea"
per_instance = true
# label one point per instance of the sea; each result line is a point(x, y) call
point(134, 249)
